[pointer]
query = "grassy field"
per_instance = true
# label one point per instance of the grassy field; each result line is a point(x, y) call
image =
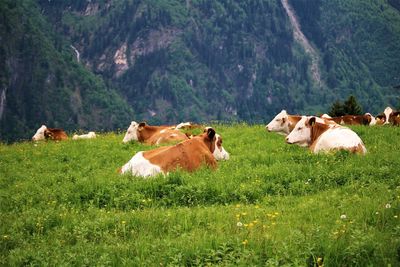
point(271, 204)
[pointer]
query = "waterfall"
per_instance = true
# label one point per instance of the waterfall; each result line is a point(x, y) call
point(78, 55)
point(2, 102)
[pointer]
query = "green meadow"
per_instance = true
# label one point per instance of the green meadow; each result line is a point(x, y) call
point(271, 204)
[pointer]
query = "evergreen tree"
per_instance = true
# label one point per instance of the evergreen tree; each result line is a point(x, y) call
point(337, 109)
point(351, 107)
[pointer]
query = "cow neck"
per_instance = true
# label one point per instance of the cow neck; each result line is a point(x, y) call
point(317, 130)
point(293, 120)
point(147, 132)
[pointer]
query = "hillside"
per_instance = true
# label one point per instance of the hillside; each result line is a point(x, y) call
point(196, 60)
point(270, 204)
point(42, 83)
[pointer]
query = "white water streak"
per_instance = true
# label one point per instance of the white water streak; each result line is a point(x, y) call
point(78, 55)
point(300, 37)
point(2, 102)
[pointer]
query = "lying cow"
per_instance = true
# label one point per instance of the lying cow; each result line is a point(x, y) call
point(89, 135)
point(44, 133)
point(153, 135)
point(283, 123)
point(325, 137)
point(188, 155)
point(366, 119)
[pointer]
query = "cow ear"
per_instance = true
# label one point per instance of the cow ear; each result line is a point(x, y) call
point(141, 125)
point(311, 121)
point(210, 133)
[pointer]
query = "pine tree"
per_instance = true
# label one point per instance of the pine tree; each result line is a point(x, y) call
point(351, 106)
point(337, 109)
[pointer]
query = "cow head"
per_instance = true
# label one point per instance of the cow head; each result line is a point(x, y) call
point(301, 133)
point(371, 119)
point(380, 119)
point(387, 112)
point(217, 149)
point(279, 124)
point(39, 135)
point(132, 132)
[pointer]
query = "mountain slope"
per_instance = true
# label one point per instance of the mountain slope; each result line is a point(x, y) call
point(202, 60)
point(197, 60)
point(41, 82)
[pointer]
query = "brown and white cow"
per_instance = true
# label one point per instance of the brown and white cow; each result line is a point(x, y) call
point(188, 155)
point(325, 137)
point(44, 133)
point(384, 117)
point(366, 119)
point(153, 135)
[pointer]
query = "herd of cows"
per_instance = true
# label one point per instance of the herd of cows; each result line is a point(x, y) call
point(190, 152)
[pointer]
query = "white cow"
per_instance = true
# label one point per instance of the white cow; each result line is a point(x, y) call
point(325, 137)
point(89, 135)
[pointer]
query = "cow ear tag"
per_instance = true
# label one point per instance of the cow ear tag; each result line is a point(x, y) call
point(312, 121)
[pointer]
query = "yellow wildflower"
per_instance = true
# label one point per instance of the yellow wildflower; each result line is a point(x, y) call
point(245, 242)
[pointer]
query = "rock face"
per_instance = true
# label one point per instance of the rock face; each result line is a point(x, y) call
point(300, 37)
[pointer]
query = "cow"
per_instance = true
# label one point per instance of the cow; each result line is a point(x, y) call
point(283, 123)
point(89, 135)
point(44, 133)
point(188, 155)
point(153, 135)
point(325, 137)
point(366, 119)
point(394, 118)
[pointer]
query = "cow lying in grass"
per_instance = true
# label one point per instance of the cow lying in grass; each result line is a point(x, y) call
point(325, 137)
point(188, 155)
point(153, 135)
point(44, 133)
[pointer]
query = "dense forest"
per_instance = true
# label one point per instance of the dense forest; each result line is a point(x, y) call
point(99, 64)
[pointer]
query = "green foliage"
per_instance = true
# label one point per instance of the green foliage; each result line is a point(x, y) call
point(43, 82)
point(336, 109)
point(63, 203)
point(349, 107)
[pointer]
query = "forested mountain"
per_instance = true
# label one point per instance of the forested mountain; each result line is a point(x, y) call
point(42, 83)
point(197, 60)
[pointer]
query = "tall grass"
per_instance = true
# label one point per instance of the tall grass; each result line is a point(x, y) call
point(270, 204)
